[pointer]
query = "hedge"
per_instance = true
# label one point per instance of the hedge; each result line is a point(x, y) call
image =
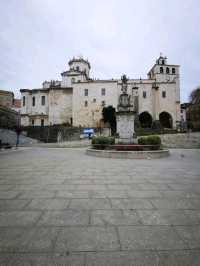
point(150, 140)
point(102, 143)
point(103, 140)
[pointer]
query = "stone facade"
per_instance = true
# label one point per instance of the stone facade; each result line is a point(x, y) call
point(78, 100)
point(6, 98)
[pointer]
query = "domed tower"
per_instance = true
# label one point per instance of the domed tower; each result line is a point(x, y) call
point(79, 70)
point(80, 65)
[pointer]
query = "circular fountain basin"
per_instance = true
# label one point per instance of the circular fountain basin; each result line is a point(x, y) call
point(152, 154)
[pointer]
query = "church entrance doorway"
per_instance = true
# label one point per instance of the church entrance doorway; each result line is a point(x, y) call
point(145, 120)
point(166, 120)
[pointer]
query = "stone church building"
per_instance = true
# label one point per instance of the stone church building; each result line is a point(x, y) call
point(78, 99)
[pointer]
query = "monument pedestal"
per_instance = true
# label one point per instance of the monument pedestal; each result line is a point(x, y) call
point(125, 116)
point(125, 127)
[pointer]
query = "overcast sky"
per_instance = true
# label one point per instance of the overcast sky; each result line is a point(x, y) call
point(38, 37)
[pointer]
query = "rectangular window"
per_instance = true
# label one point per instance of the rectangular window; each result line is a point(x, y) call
point(86, 92)
point(86, 103)
point(33, 101)
point(94, 100)
point(43, 100)
point(144, 94)
point(164, 94)
point(32, 122)
point(42, 122)
point(103, 91)
point(103, 103)
point(24, 100)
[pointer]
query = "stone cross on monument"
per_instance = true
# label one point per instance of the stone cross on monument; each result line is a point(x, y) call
point(125, 114)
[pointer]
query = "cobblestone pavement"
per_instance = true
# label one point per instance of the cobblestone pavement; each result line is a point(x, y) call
point(62, 207)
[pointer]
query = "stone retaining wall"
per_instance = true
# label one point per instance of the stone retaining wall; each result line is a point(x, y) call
point(181, 140)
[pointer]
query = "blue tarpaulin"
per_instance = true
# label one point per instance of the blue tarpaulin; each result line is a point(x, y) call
point(88, 130)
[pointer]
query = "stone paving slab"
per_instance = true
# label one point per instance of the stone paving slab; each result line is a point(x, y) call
point(150, 237)
point(19, 218)
point(122, 258)
point(90, 204)
point(131, 204)
point(165, 217)
point(176, 203)
point(28, 239)
point(87, 239)
point(115, 217)
point(179, 258)
point(34, 194)
point(43, 260)
point(48, 204)
point(8, 194)
point(179, 194)
point(13, 204)
point(144, 194)
point(64, 218)
point(190, 234)
point(61, 207)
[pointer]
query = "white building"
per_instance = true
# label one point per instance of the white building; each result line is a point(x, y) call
point(78, 100)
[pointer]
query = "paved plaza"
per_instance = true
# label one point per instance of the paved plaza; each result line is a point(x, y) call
point(62, 207)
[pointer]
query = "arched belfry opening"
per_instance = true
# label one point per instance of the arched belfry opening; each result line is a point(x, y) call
point(166, 120)
point(145, 120)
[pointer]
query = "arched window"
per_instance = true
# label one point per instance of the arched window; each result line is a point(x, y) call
point(77, 68)
point(167, 70)
point(163, 62)
point(173, 70)
point(161, 69)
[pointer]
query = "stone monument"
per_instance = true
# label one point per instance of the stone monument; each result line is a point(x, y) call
point(125, 115)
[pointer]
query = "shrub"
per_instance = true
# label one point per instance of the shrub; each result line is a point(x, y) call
point(154, 140)
point(142, 140)
point(150, 140)
point(102, 142)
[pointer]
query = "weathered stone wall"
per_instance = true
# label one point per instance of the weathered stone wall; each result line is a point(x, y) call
point(184, 140)
point(90, 115)
point(54, 133)
point(6, 98)
point(154, 103)
point(60, 106)
point(8, 118)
